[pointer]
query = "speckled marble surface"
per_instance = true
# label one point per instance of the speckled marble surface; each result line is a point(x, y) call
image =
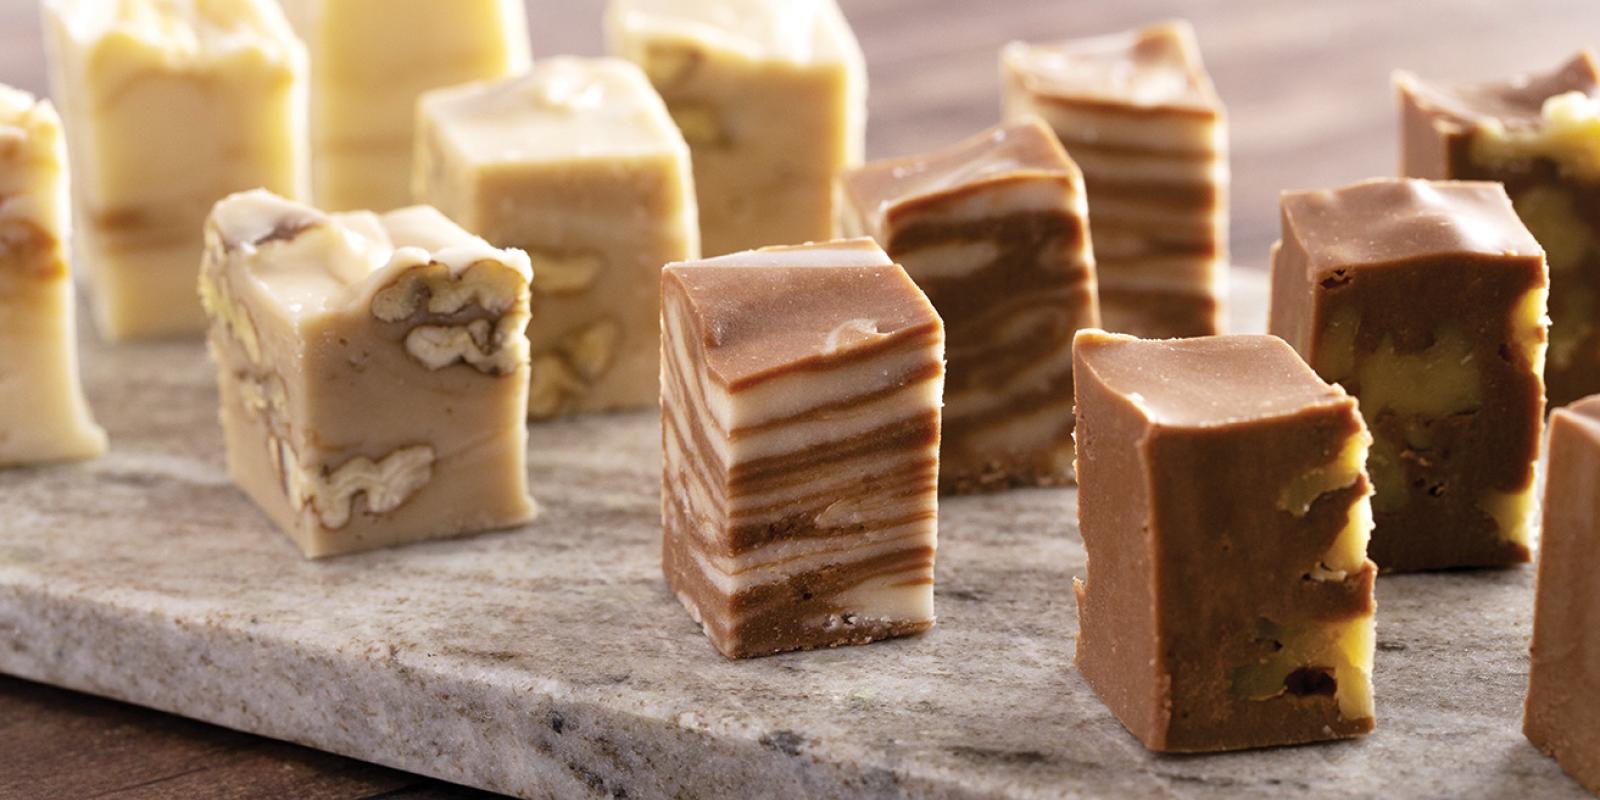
point(552, 662)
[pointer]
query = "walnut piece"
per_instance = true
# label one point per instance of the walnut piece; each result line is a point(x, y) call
point(330, 494)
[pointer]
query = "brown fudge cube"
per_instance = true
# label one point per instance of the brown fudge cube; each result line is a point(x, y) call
point(1224, 508)
point(1426, 301)
point(1564, 682)
point(995, 231)
point(1539, 135)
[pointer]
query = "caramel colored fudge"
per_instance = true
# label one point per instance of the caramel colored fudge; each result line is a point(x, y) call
point(1225, 511)
point(577, 163)
point(1540, 136)
point(771, 95)
point(1564, 682)
point(169, 107)
point(370, 61)
point(1427, 301)
point(800, 427)
point(1138, 113)
point(994, 230)
point(373, 371)
point(43, 416)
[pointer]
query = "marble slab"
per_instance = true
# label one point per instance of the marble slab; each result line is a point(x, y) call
point(552, 662)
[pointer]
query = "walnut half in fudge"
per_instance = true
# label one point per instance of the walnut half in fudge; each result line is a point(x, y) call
point(1427, 301)
point(373, 371)
point(1539, 135)
point(800, 395)
point(1224, 507)
point(995, 231)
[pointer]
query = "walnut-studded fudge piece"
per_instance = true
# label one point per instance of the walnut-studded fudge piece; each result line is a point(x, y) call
point(577, 163)
point(169, 107)
point(1138, 113)
point(771, 95)
point(43, 416)
point(995, 231)
point(1564, 681)
point(373, 371)
point(1427, 301)
point(1224, 508)
point(370, 61)
point(1539, 135)
point(800, 423)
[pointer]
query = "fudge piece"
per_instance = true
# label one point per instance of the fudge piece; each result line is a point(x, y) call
point(577, 163)
point(43, 416)
point(169, 107)
point(1564, 680)
point(772, 96)
point(1540, 136)
point(1224, 508)
point(1427, 301)
point(800, 428)
point(373, 371)
point(1138, 113)
point(994, 230)
point(370, 61)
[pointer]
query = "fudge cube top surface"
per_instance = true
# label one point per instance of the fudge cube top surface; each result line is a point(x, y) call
point(30, 139)
point(564, 109)
point(183, 33)
point(765, 313)
point(1512, 103)
point(1208, 382)
point(1157, 68)
point(806, 32)
point(1390, 221)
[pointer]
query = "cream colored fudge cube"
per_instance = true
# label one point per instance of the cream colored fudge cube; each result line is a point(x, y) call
point(370, 61)
point(578, 163)
point(43, 416)
point(170, 106)
point(771, 95)
point(373, 371)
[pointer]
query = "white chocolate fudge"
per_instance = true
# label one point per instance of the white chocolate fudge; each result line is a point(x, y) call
point(170, 105)
point(800, 391)
point(373, 371)
point(578, 163)
point(771, 95)
point(43, 416)
point(370, 61)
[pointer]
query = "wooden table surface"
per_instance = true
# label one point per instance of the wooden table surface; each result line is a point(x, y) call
point(1307, 85)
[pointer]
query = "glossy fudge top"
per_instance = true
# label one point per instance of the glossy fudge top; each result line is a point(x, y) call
point(1393, 220)
point(1010, 152)
point(183, 32)
point(1587, 409)
point(766, 312)
point(799, 31)
point(1155, 67)
point(1515, 103)
point(1206, 382)
point(563, 109)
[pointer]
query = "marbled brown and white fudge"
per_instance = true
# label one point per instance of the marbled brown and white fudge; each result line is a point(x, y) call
point(1139, 114)
point(370, 61)
point(43, 416)
point(373, 371)
point(578, 163)
point(771, 95)
point(800, 395)
point(995, 231)
point(169, 107)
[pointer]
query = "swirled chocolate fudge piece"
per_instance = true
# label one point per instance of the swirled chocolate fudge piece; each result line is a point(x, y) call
point(1539, 135)
point(995, 231)
point(43, 416)
point(772, 97)
point(1224, 507)
point(1427, 301)
point(577, 163)
point(169, 107)
point(1138, 113)
point(1564, 680)
point(373, 371)
point(800, 395)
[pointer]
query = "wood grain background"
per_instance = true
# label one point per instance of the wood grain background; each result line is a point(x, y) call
point(1307, 86)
